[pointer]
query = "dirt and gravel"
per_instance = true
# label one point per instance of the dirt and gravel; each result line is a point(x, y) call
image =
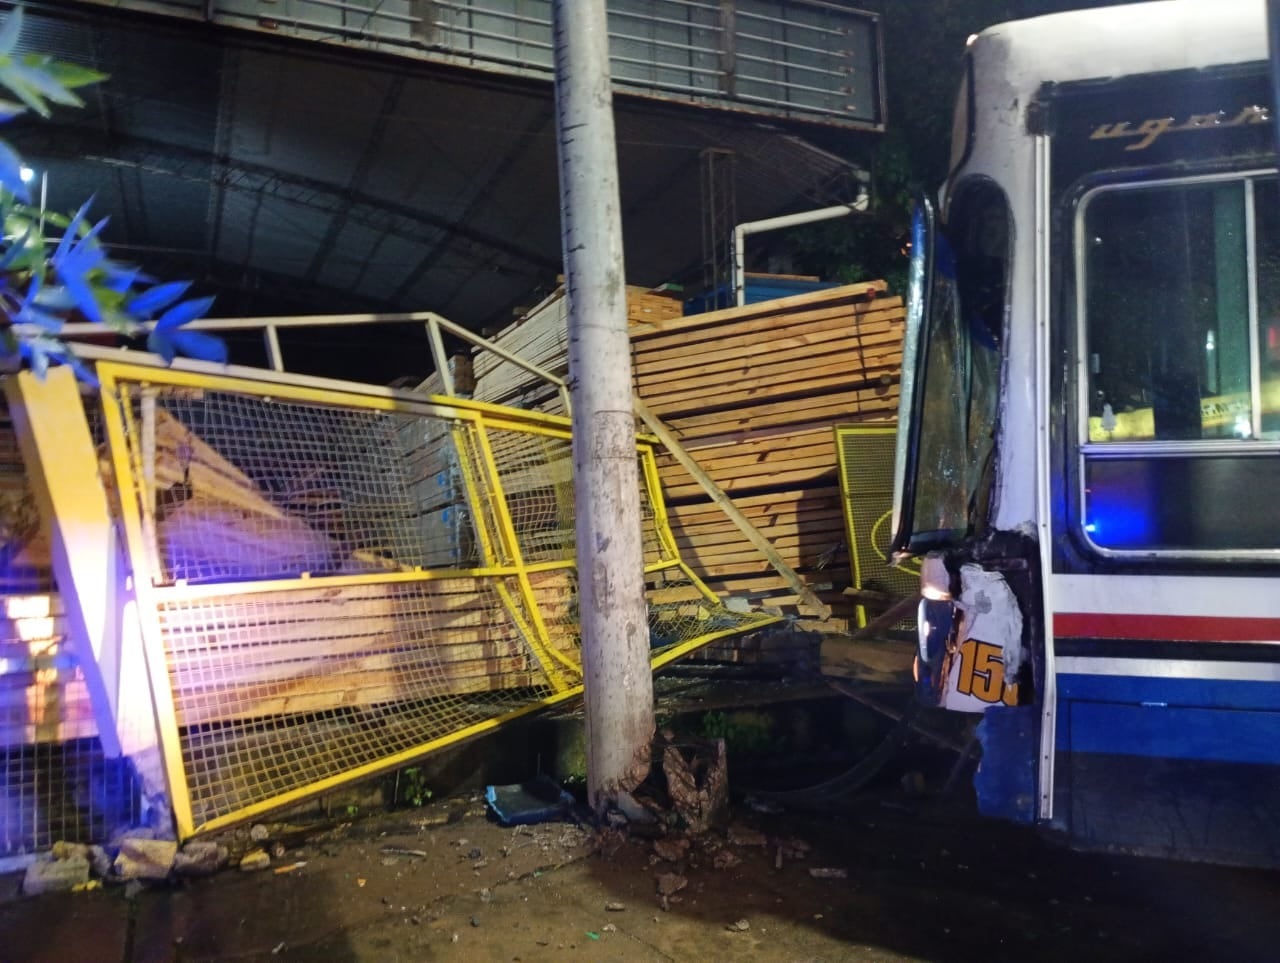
point(891, 876)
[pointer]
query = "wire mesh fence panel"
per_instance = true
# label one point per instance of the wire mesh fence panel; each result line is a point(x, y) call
point(63, 791)
point(865, 455)
point(55, 782)
point(535, 474)
point(276, 690)
point(245, 488)
point(337, 583)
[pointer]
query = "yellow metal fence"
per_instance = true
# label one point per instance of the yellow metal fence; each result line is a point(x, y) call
point(330, 583)
point(864, 455)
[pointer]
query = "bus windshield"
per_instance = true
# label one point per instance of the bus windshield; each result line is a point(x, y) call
point(951, 371)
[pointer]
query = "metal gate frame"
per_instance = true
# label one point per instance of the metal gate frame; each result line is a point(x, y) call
point(500, 551)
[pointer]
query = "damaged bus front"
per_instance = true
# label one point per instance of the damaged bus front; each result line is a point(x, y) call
point(1089, 440)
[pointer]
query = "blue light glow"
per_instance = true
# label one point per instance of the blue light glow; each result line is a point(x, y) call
point(1121, 508)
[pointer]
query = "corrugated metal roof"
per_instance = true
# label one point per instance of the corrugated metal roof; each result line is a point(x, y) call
point(293, 178)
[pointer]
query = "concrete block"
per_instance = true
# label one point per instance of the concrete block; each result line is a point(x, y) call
point(145, 858)
point(50, 875)
point(200, 858)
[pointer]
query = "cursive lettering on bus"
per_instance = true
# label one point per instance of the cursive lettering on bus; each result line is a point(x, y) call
point(1148, 131)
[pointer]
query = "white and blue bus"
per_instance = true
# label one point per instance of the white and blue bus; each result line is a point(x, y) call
point(1089, 443)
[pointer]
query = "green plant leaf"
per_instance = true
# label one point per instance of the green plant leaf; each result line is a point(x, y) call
point(10, 109)
point(73, 75)
point(11, 77)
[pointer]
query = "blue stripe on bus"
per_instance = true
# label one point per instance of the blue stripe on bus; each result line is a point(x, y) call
point(1205, 693)
point(1170, 718)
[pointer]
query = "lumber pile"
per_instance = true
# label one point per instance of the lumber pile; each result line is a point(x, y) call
point(316, 650)
point(43, 695)
point(753, 394)
point(433, 474)
point(25, 564)
point(213, 521)
point(541, 337)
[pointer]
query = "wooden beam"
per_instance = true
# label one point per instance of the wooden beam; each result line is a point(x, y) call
point(669, 440)
point(852, 293)
point(786, 332)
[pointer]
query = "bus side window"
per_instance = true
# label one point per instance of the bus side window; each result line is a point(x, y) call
point(1267, 234)
point(1180, 289)
point(1167, 312)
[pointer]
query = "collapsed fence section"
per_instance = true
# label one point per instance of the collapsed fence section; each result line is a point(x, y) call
point(330, 583)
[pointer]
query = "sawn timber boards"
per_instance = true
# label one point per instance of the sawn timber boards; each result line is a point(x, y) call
point(866, 404)
point(765, 336)
point(798, 303)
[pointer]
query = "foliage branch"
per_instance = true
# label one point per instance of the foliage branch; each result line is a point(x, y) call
point(46, 281)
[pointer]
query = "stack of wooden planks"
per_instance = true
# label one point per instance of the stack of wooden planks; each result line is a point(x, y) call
point(752, 394)
point(316, 650)
point(25, 564)
point(541, 337)
point(43, 696)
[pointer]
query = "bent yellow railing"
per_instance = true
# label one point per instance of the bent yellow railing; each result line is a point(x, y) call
point(332, 581)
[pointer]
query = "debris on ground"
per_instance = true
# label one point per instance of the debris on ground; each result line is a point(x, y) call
point(669, 883)
point(200, 858)
point(609, 840)
point(741, 926)
point(725, 859)
point(145, 858)
point(828, 872)
point(254, 860)
point(672, 850)
point(50, 875)
point(698, 783)
point(793, 848)
point(539, 800)
point(403, 851)
point(740, 835)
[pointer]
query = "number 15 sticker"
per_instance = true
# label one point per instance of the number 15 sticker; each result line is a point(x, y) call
point(979, 673)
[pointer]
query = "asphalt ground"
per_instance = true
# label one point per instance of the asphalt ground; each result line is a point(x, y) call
point(885, 877)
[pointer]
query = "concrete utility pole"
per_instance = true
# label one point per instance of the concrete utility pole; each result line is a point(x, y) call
point(615, 631)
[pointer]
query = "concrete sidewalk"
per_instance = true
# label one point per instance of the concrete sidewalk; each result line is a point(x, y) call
point(922, 884)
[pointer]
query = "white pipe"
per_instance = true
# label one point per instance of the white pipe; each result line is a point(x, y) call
point(777, 223)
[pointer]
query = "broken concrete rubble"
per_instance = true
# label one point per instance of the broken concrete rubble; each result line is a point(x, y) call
point(200, 858)
point(672, 850)
point(50, 875)
point(255, 860)
point(740, 835)
point(669, 883)
point(698, 783)
point(145, 858)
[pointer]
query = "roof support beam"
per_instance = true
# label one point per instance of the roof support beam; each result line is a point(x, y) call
point(382, 215)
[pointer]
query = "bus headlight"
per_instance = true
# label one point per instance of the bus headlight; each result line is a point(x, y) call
point(935, 580)
point(935, 622)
